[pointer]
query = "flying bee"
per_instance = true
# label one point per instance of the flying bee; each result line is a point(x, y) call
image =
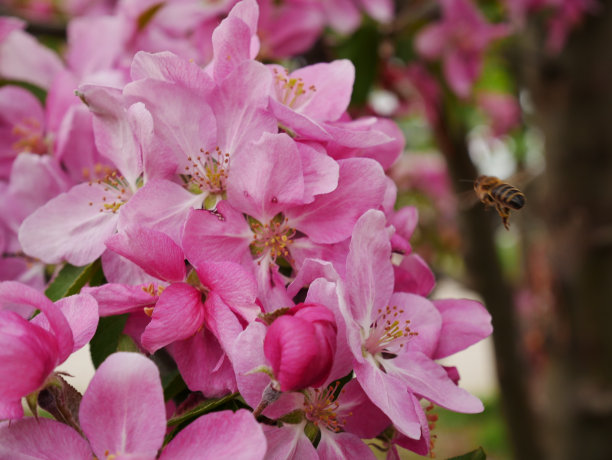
point(493, 192)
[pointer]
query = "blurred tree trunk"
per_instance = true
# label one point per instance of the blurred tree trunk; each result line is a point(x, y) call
point(572, 94)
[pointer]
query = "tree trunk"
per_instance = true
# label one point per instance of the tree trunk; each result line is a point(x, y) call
point(572, 94)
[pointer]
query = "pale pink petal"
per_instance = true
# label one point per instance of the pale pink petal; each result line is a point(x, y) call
point(219, 435)
point(204, 365)
point(464, 323)
point(342, 445)
point(369, 274)
point(289, 443)
point(41, 439)
point(431, 40)
point(152, 250)
point(81, 312)
point(222, 322)
point(114, 125)
point(22, 58)
point(343, 15)
point(420, 446)
point(381, 10)
point(266, 178)
point(71, 227)
point(391, 395)
point(428, 379)
point(239, 103)
point(331, 217)
point(334, 85)
point(115, 299)
point(319, 170)
point(122, 411)
point(461, 72)
point(232, 45)
point(360, 133)
point(118, 269)
point(178, 315)
point(414, 275)
point(160, 205)
point(303, 125)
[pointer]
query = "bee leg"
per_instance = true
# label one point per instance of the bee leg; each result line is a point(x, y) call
point(504, 213)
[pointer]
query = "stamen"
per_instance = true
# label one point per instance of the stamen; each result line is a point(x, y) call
point(292, 91)
point(320, 407)
point(31, 137)
point(387, 333)
point(209, 171)
point(119, 192)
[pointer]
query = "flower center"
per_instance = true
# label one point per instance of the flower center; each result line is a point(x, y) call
point(272, 239)
point(209, 171)
point(98, 171)
point(387, 333)
point(30, 137)
point(290, 91)
point(118, 192)
point(320, 408)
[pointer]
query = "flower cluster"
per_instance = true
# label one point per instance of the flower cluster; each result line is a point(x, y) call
point(245, 226)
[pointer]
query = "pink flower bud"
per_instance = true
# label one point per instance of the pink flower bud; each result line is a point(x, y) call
point(300, 346)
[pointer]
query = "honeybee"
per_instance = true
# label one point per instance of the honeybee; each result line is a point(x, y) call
point(493, 192)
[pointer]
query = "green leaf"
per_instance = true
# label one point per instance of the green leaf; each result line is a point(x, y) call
point(71, 279)
point(478, 454)
point(106, 340)
point(204, 408)
point(173, 386)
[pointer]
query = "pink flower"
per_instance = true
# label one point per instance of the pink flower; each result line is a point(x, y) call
point(122, 414)
point(345, 15)
point(502, 110)
point(30, 350)
point(460, 40)
point(300, 346)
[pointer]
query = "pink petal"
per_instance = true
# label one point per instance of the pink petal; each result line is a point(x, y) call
point(414, 275)
point(464, 323)
point(223, 235)
point(381, 10)
point(233, 284)
point(267, 178)
point(122, 411)
point(28, 354)
point(166, 66)
point(428, 379)
point(153, 251)
point(431, 40)
point(204, 365)
point(334, 85)
point(81, 312)
point(115, 299)
point(319, 170)
point(289, 442)
point(391, 395)
point(222, 322)
point(302, 124)
point(160, 205)
point(19, 294)
point(369, 274)
point(114, 125)
point(42, 439)
point(424, 320)
point(363, 418)
point(331, 217)
point(22, 58)
point(342, 445)
point(219, 435)
point(70, 227)
point(118, 269)
point(343, 15)
point(232, 45)
point(461, 72)
point(178, 315)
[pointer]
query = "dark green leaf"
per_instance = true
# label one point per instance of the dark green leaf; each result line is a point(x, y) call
point(71, 279)
point(204, 408)
point(478, 454)
point(106, 340)
point(174, 386)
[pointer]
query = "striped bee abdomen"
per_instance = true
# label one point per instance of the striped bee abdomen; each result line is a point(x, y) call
point(508, 195)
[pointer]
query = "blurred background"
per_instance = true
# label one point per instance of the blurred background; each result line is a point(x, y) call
point(517, 89)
